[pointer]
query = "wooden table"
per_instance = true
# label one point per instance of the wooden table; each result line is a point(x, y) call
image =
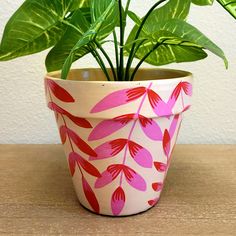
point(37, 197)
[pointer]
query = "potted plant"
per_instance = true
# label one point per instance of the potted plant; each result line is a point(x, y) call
point(118, 125)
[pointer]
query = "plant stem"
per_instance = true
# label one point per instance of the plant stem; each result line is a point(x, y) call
point(100, 62)
point(127, 7)
point(127, 74)
point(143, 59)
point(131, 55)
point(116, 51)
point(108, 59)
point(121, 67)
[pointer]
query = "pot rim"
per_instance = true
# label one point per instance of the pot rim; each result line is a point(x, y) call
point(176, 75)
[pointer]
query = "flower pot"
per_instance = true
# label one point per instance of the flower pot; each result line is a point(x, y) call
point(118, 136)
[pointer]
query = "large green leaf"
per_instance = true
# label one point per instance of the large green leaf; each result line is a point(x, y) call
point(203, 2)
point(229, 5)
point(98, 8)
point(35, 26)
point(174, 9)
point(179, 42)
point(177, 9)
point(164, 54)
point(168, 48)
point(189, 33)
point(56, 57)
point(101, 27)
point(82, 21)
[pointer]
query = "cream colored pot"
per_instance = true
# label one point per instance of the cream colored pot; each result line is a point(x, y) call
point(118, 136)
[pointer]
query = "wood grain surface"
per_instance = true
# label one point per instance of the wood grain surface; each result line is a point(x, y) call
point(37, 196)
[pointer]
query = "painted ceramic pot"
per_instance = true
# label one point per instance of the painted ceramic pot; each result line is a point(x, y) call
point(118, 136)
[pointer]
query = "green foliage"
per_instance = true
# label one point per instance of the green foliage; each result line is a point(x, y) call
point(74, 28)
point(35, 26)
point(229, 5)
point(203, 2)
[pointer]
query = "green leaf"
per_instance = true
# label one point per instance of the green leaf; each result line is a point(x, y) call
point(132, 15)
point(179, 41)
point(56, 57)
point(203, 2)
point(229, 6)
point(101, 27)
point(80, 4)
point(35, 26)
point(171, 48)
point(177, 9)
point(98, 8)
point(189, 33)
point(163, 54)
point(174, 9)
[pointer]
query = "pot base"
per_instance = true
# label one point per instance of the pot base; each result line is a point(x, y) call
point(120, 216)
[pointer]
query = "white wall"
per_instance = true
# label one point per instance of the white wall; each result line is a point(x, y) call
point(24, 117)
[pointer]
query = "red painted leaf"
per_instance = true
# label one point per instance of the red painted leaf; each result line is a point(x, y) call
point(166, 143)
point(160, 107)
point(59, 92)
point(134, 179)
point(141, 155)
point(108, 127)
point(72, 163)
point(90, 196)
point(81, 122)
point(118, 201)
point(108, 175)
point(161, 167)
point(153, 201)
point(109, 149)
point(186, 108)
point(77, 120)
point(81, 144)
point(173, 125)
point(157, 186)
point(118, 98)
point(88, 167)
point(187, 88)
point(150, 128)
point(182, 86)
point(63, 133)
point(175, 94)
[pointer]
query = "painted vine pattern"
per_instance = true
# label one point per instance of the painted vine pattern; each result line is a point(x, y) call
point(74, 159)
point(138, 153)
